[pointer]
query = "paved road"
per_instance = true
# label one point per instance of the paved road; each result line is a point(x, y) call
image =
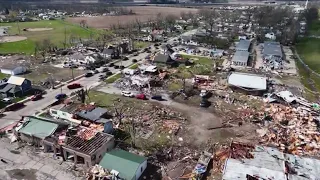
point(34, 106)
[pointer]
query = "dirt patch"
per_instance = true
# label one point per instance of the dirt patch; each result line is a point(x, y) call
point(38, 29)
point(21, 174)
point(5, 39)
point(143, 13)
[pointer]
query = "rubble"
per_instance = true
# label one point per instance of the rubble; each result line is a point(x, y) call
point(293, 130)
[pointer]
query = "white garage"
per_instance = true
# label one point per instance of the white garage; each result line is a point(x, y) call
point(13, 69)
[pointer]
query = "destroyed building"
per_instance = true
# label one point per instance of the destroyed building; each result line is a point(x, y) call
point(260, 162)
point(81, 144)
point(272, 54)
point(248, 83)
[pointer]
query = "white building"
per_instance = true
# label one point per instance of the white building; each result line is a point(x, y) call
point(13, 69)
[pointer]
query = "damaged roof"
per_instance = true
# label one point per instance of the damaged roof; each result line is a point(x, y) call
point(272, 49)
point(250, 81)
point(269, 163)
point(241, 56)
point(243, 45)
point(38, 127)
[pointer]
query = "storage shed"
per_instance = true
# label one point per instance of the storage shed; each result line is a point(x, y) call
point(124, 164)
point(249, 83)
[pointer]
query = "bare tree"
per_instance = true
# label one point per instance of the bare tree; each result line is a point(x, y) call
point(103, 39)
point(170, 21)
point(139, 25)
point(184, 16)
point(209, 16)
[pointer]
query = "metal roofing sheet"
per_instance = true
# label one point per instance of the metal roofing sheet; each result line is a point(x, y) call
point(127, 163)
point(248, 81)
point(272, 48)
point(92, 115)
point(38, 128)
point(269, 163)
point(241, 56)
point(16, 80)
point(243, 45)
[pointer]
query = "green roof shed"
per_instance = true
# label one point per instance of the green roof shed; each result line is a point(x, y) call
point(130, 166)
point(38, 128)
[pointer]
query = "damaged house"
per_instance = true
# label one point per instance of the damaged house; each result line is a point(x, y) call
point(240, 58)
point(243, 45)
point(272, 54)
point(248, 83)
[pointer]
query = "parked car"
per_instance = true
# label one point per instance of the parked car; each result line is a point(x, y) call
point(36, 97)
point(109, 73)
point(116, 67)
point(96, 71)
point(157, 97)
point(127, 94)
point(74, 86)
point(125, 58)
point(7, 100)
point(121, 67)
point(141, 96)
point(105, 69)
point(204, 103)
point(14, 107)
point(88, 74)
point(111, 64)
point(135, 54)
point(60, 96)
point(134, 60)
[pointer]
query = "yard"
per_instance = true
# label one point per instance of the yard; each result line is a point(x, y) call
point(314, 28)
point(113, 78)
point(141, 44)
point(202, 65)
point(308, 49)
point(54, 30)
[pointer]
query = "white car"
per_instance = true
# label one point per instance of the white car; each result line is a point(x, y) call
point(127, 94)
point(6, 100)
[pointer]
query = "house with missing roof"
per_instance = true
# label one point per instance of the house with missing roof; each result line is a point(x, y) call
point(34, 130)
point(15, 86)
point(272, 54)
point(248, 83)
point(128, 166)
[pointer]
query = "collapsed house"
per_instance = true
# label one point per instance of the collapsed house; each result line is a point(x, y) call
point(260, 162)
point(85, 145)
point(272, 55)
point(248, 83)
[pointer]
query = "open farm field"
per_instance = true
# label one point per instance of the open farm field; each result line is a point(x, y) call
point(143, 13)
point(54, 30)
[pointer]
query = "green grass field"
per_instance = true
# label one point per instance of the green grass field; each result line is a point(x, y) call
point(56, 35)
point(309, 51)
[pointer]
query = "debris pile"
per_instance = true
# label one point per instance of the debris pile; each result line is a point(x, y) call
point(293, 130)
point(98, 172)
point(236, 150)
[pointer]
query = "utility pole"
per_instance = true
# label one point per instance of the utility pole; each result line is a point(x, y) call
point(72, 73)
point(65, 36)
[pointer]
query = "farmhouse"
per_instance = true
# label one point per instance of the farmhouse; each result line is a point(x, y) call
point(13, 69)
point(240, 58)
point(128, 166)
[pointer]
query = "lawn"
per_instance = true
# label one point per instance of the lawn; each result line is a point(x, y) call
point(314, 28)
point(3, 75)
point(309, 51)
point(57, 35)
point(141, 44)
point(102, 99)
point(134, 66)
point(113, 78)
point(202, 65)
